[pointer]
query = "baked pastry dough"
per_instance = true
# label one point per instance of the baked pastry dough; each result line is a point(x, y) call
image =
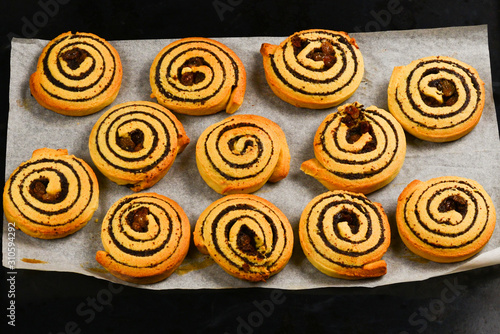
point(77, 74)
point(445, 219)
point(357, 149)
point(345, 235)
point(51, 195)
point(246, 235)
point(135, 143)
point(145, 236)
point(198, 76)
point(314, 68)
point(437, 99)
point(241, 153)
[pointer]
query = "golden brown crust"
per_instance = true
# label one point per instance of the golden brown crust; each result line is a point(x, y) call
point(241, 153)
point(436, 98)
point(362, 154)
point(345, 235)
point(445, 219)
point(126, 150)
point(146, 253)
point(198, 76)
point(246, 235)
point(77, 74)
point(52, 195)
point(295, 77)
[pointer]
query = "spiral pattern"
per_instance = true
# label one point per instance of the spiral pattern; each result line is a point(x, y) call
point(51, 195)
point(241, 153)
point(314, 68)
point(135, 143)
point(77, 74)
point(345, 235)
point(198, 76)
point(357, 149)
point(436, 98)
point(445, 219)
point(145, 236)
point(246, 235)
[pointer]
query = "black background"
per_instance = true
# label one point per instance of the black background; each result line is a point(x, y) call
point(47, 302)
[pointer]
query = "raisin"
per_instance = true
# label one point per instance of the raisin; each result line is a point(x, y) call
point(451, 101)
point(126, 143)
point(296, 41)
point(317, 56)
point(369, 146)
point(350, 218)
point(132, 142)
point(348, 120)
point(187, 78)
point(448, 91)
point(355, 132)
point(454, 202)
point(74, 57)
point(431, 102)
point(364, 127)
point(195, 61)
point(329, 61)
point(198, 77)
point(327, 47)
point(447, 87)
point(352, 111)
point(139, 220)
point(353, 137)
point(246, 241)
point(38, 189)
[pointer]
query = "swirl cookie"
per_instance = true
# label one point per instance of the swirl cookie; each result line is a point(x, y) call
point(241, 153)
point(51, 195)
point(345, 235)
point(135, 143)
point(246, 235)
point(198, 76)
point(437, 99)
point(145, 236)
point(77, 74)
point(357, 149)
point(314, 68)
point(445, 219)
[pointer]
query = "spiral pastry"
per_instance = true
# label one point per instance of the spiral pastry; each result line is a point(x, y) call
point(357, 149)
point(314, 69)
point(345, 235)
point(51, 195)
point(241, 153)
point(145, 236)
point(437, 99)
point(135, 143)
point(446, 219)
point(198, 76)
point(246, 235)
point(77, 74)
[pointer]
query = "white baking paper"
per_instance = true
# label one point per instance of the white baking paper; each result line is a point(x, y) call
point(476, 156)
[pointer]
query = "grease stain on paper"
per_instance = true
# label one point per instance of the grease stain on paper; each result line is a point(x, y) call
point(195, 265)
point(408, 255)
point(24, 103)
point(32, 260)
point(98, 270)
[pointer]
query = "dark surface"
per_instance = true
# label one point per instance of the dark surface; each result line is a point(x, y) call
point(48, 302)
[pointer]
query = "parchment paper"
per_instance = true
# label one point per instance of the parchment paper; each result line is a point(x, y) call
point(476, 156)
